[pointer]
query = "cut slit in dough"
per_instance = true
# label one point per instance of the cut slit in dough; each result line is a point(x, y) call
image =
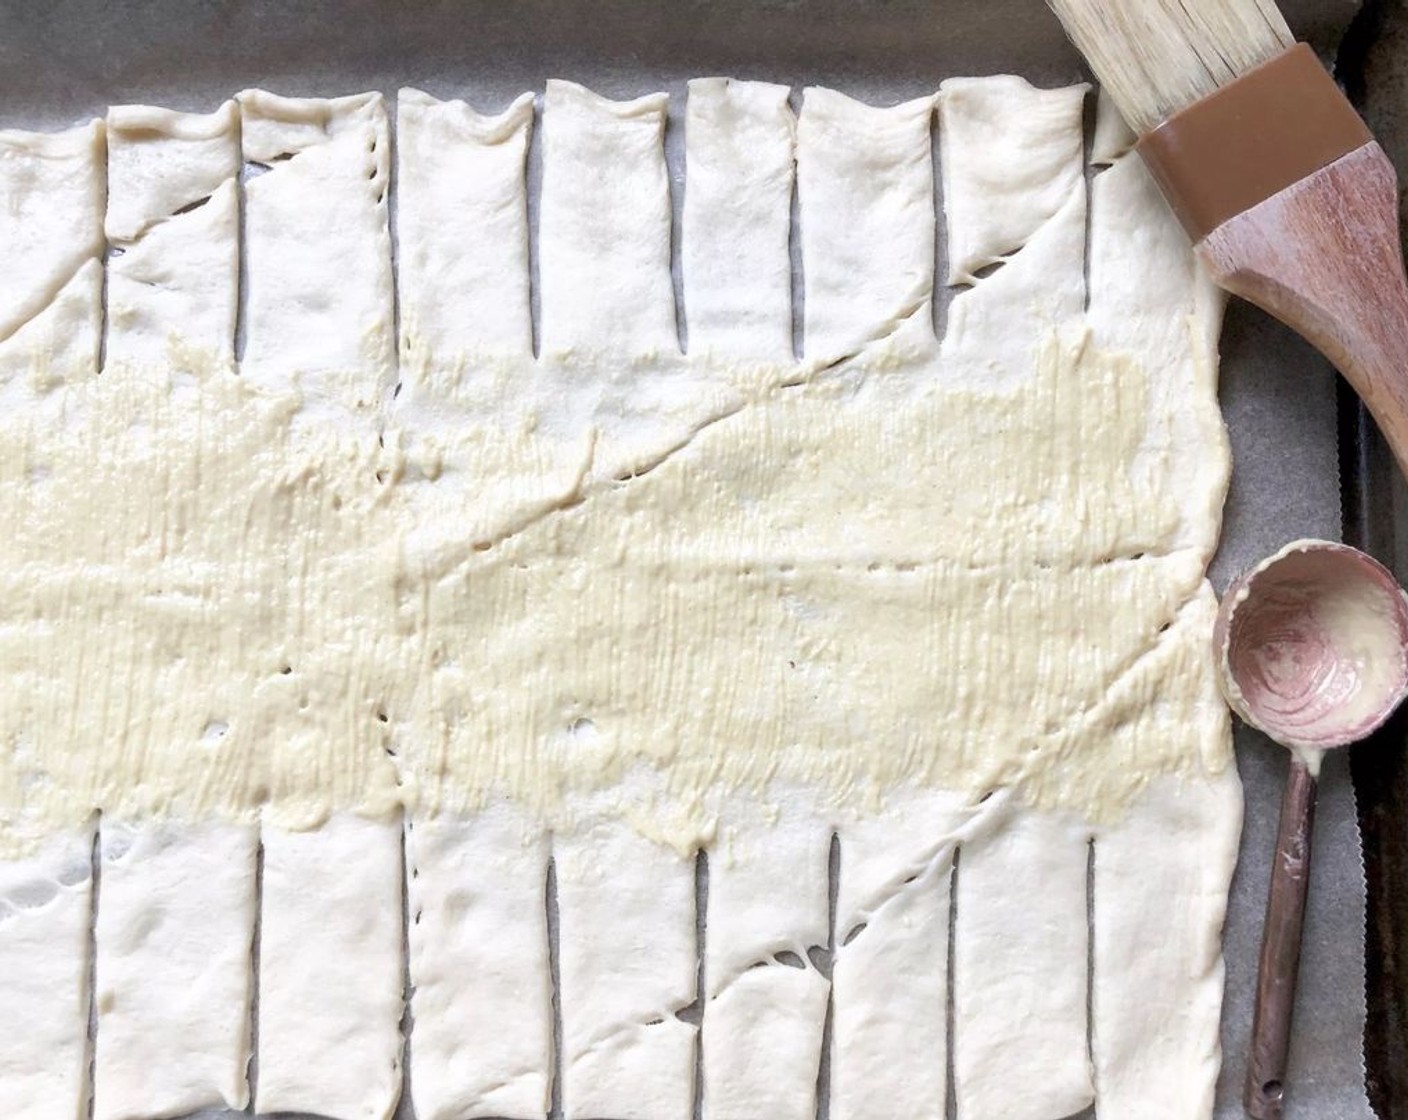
point(741, 140)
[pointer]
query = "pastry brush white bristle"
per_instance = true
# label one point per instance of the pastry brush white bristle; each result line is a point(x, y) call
point(1156, 57)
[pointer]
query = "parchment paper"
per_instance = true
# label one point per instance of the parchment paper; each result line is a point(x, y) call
point(1278, 398)
point(60, 62)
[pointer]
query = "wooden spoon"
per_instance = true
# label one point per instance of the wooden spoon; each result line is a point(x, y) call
point(1312, 649)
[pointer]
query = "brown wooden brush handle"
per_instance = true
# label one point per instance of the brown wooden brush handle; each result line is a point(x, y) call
point(1280, 947)
point(1323, 256)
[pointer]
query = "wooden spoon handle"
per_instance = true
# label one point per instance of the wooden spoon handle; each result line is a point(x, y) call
point(1324, 257)
point(1280, 947)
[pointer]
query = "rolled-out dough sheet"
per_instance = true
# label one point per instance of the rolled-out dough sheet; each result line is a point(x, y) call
point(810, 485)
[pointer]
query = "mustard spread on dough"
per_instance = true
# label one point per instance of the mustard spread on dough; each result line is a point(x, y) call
point(853, 579)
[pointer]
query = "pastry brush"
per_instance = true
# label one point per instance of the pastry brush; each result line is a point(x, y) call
point(1289, 201)
point(1291, 204)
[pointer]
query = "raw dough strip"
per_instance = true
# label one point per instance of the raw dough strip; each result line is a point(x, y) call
point(993, 197)
point(1012, 159)
point(865, 186)
point(765, 996)
point(604, 226)
point(1161, 878)
point(51, 224)
point(889, 1053)
point(51, 213)
point(628, 961)
point(51, 246)
point(330, 970)
point(1020, 983)
point(480, 974)
point(1151, 300)
point(320, 304)
point(739, 143)
point(462, 225)
point(320, 313)
point(1162, 872)
point(174, 936)
point(45, 915)
point(173, 217)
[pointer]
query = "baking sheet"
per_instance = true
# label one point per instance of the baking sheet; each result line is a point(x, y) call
point(65, 61)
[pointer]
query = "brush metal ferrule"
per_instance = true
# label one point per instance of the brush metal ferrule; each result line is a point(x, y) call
point(1259, 134)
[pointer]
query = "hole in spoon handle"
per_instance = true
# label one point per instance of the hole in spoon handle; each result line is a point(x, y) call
point(1280, 947)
